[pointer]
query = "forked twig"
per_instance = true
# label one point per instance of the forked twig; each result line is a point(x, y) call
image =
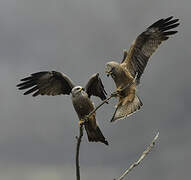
point(140, 159)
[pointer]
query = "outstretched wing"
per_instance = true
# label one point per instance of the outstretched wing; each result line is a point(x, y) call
point(146, 44)
point(46, 83)
point(95, 87)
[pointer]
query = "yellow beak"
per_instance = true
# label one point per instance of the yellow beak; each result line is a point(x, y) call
point(108, 73)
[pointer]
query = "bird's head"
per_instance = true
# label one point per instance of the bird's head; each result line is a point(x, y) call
point(112, 69)
point(77, 90)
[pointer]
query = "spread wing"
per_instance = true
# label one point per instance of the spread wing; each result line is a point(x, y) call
point(46, 83)
point(146, 44)
point(95, 87)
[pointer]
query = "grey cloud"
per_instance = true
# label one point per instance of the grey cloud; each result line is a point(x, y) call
point(37, 135)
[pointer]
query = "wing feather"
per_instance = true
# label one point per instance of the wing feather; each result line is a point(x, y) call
point(147, 43)
point(95, 87)
point(47, 83)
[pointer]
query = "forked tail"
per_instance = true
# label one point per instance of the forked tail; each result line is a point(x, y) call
point(126, 110)
point(95, 135)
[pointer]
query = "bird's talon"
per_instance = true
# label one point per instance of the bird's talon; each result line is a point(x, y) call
point(86, 119)
point(81, 123)
point(116, 93)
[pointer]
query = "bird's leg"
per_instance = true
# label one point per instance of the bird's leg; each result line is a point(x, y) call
point(116, 93)
point(120, 89)
point(128, 99)
point(130, 94)
point(83, 121)
point(86, 119)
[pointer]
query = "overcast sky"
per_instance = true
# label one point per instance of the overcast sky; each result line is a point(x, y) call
point(78, 37)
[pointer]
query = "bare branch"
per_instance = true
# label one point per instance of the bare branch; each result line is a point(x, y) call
point(140, 159)
point(79, 139)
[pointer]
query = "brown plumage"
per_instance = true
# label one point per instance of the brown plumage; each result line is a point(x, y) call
point(134, 63)
point(55, 83)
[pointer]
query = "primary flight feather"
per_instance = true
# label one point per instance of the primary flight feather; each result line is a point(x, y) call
point(134, 61)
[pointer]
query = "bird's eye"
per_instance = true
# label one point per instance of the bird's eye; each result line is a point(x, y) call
point(78, 88)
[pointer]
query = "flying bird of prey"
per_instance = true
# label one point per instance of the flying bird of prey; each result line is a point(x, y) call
point(129, 71)
point(55, 83)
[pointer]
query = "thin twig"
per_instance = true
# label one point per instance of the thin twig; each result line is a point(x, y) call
point(140, 159)
point(79, 139)
point(101, 104)
point(114, 94)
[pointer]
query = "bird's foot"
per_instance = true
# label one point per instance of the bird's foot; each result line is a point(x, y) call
point(86, 119)
point(81, 122)
point(116, 93)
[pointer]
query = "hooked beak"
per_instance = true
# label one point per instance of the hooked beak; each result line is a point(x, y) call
point(82, 89)
point(108, 73)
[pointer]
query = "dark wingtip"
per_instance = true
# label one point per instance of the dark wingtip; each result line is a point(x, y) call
point(106, 143)
point(96, 75)
point(169, 33)
point(20, 88)
point(166, 23)
point(168, 18)
point(26, 79)
point(40, 73)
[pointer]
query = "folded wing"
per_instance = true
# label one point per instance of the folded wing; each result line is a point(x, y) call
point(146, 44)
point(46, 83)
point(95, 87)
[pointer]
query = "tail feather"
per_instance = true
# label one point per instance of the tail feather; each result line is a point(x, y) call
point(126, 110)
point(95, 135)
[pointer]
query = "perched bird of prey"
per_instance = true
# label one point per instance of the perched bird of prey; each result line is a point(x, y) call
point(55, 83)
point(129, 71)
